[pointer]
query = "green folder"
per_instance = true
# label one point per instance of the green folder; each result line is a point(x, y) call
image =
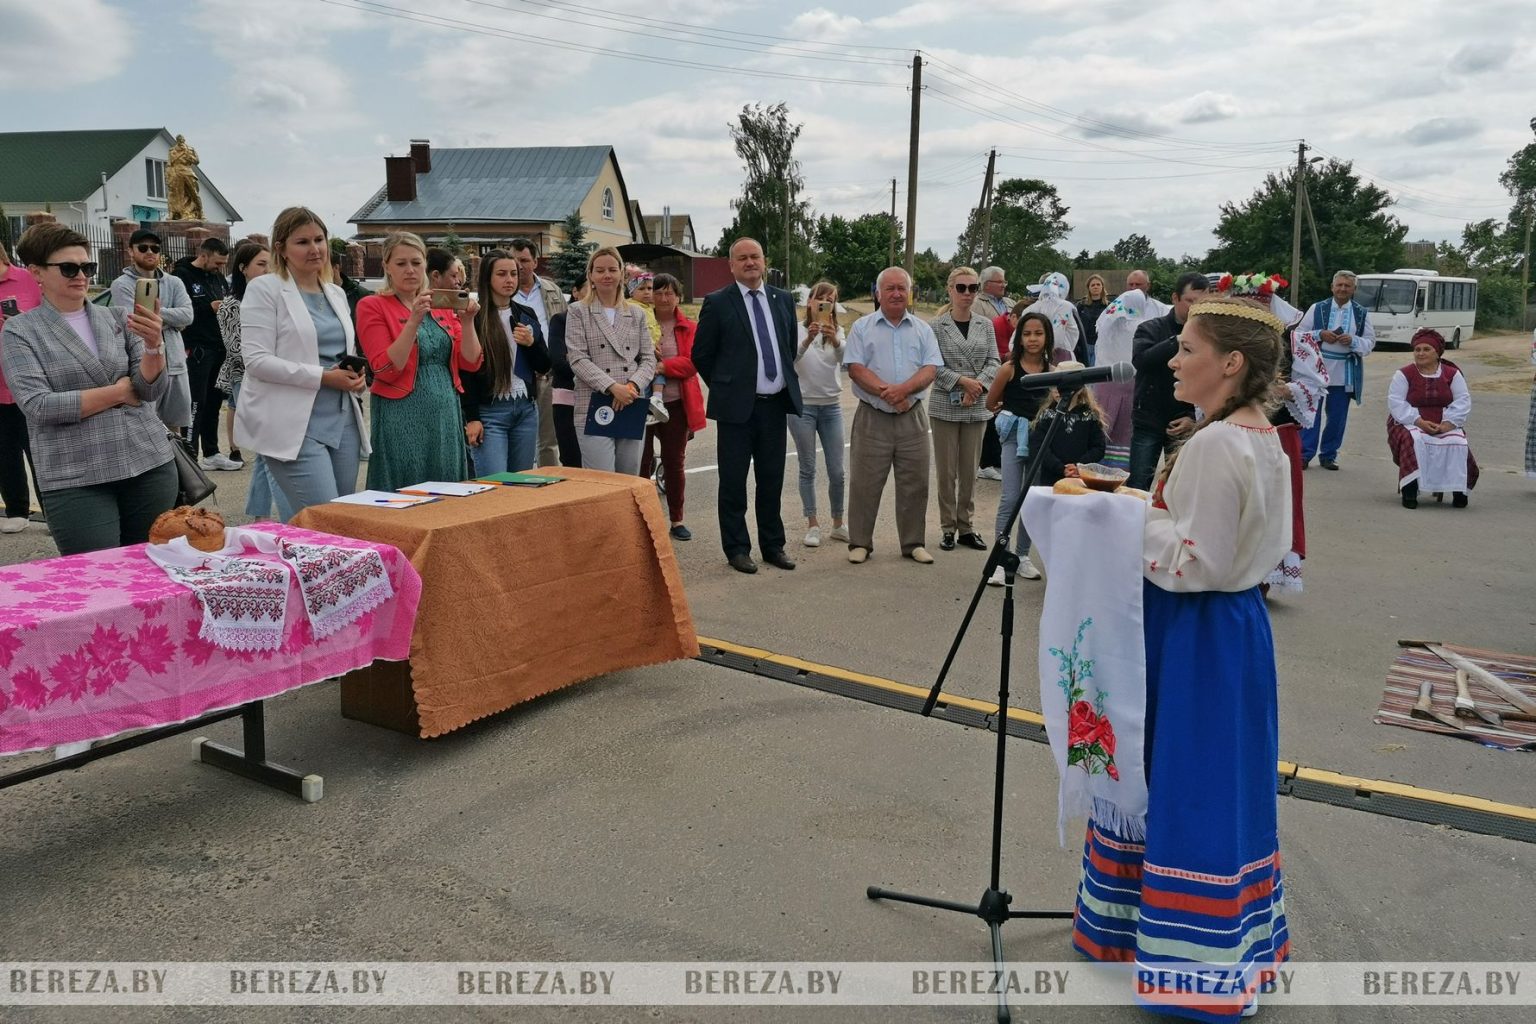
point(519, 479)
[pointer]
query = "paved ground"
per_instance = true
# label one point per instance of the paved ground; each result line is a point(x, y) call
point(691, 812)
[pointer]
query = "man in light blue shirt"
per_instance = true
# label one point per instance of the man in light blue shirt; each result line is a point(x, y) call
point(892, 358)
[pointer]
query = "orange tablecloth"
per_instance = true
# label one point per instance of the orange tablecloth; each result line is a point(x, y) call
point(527, 590)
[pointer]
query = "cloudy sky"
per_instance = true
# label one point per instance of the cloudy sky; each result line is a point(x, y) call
point(1146, 114)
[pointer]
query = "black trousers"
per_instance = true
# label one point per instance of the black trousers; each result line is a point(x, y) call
point(14, 454)
point(991, 449)
point(564, 417)
point(760, 443)
point(202, 373)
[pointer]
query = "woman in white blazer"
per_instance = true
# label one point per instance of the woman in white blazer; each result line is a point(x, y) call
point(298, 409)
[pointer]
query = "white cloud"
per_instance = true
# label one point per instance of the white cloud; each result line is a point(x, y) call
point(88, 37)
point(1475, 58)
point(1442, 129)
point(824, 25)
point(1205, 107)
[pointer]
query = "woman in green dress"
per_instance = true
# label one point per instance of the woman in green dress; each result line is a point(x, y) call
point(416, 353)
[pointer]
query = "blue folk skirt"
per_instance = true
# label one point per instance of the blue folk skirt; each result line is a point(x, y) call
point(1199, 906)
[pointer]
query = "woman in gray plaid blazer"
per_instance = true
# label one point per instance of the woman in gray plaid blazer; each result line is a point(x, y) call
point(87, 378)
point(610, 349)
point(958, 408)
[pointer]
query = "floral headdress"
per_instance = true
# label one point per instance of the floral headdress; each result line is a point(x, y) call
point(1252, 286)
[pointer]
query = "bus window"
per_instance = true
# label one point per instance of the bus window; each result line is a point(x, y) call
point(1384, 295)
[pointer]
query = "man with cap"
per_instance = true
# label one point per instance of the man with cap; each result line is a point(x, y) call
point(144, 247)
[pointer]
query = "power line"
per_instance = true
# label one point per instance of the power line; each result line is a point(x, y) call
point(439, 21)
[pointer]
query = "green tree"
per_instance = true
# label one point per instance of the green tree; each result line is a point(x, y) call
point(1028, 220)
point(569, 260)
point(930, 274)
point(452, 242)
point(1357, 231)
point(1134, 251)
point(770, 192)
point(854, 251)
point(1519, 179)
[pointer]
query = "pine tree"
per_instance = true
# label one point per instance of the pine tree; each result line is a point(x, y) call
point(569, 260)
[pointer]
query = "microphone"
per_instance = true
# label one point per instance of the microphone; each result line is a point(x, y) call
point(1116, 372)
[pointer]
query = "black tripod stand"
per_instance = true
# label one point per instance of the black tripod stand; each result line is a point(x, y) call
point(993, 907)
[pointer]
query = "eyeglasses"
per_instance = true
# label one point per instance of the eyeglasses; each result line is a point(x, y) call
point(74, 269)
point(967, 289)
point(146, 247)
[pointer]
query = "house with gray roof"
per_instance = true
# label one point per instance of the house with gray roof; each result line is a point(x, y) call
point(88, 179)
point(486, 196)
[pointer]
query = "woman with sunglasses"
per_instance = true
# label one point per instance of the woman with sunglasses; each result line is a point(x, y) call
point(958, 408)
point(87, 378)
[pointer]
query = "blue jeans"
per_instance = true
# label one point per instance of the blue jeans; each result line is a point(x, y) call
point(1014, 469)
point(319, 474)
point(263, 492)
point(1336, 408)
point(825, 421)
point(1147, 446)
point(511, 441)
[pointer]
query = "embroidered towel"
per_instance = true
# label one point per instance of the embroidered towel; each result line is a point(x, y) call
point(245, 596)
point(1093, 683)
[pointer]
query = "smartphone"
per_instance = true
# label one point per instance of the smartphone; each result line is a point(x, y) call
point(824, 313)
point(146, 293)
point(9, 308)
point(450, 298)
point(357, 364)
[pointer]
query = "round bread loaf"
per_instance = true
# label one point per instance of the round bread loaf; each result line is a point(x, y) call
point(203, 528)
point(1070, 485)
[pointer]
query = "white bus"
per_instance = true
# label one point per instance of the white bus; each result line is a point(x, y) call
point(1404, 301)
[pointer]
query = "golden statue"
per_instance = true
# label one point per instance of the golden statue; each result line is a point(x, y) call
point(181, 182)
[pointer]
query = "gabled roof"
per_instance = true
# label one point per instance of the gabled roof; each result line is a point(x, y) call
point(467, 186)
point(39, 167)
point(654, 229)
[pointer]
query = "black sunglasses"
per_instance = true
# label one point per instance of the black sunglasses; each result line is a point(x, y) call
point(74, 269)
point(147, 247)
point(966, 289)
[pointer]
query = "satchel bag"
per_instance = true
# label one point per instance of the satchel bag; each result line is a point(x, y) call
point(192, 484)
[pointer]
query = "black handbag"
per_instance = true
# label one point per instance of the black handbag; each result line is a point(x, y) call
point(192, 484)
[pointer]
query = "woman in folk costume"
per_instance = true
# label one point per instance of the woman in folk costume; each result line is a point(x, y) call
point(1298, 395)
point(1194, 889)
point(1427, 408)
point(1116, 332)
point(1065, 328)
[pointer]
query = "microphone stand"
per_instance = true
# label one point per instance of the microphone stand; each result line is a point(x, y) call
point(993, 907)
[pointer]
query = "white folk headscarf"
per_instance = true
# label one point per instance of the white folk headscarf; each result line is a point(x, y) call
point(1053, 305)
point(1117, 327)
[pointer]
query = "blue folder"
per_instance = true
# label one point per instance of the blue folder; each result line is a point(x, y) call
point(628, 422)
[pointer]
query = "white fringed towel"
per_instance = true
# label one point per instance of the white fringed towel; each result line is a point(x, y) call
point(1093, 681)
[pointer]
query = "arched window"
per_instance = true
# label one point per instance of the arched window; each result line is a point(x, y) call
point(607, 204)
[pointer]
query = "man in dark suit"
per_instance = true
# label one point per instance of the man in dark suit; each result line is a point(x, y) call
point(1158, 420)
point(744, 351)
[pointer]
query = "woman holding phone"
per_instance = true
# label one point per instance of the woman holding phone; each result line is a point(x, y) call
point(86, 377)
point(818, 359)
point(610, 351)
point(300, 408)
point(501, 410)
point(417, 354)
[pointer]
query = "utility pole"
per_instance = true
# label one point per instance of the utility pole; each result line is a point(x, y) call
point(1301, 184)
point(892, 261)
point(917, 99)
point(986, 213)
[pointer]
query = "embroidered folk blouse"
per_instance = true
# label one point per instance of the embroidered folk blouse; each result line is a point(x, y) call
point(1227, 520)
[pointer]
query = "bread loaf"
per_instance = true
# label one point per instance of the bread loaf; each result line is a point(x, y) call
point(203, 528)
point(1070, 485)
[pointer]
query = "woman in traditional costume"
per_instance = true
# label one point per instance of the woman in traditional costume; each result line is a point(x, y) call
point(1427, 407)
point(1193, 892)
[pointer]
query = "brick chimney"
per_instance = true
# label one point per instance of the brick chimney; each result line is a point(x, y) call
point(421, 153)
point(399, 179)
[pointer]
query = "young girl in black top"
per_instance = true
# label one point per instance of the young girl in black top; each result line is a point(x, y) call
point(1079, 438)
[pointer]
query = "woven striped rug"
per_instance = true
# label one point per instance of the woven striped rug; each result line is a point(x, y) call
point(1416, 664)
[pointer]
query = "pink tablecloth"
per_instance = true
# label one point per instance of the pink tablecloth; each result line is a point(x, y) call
point(97, 644)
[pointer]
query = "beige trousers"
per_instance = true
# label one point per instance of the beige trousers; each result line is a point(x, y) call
point(956, 454)
point(880, 442)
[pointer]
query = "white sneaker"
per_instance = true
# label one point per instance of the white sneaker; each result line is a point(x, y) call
point(996, 579)
point(839, 534)
point(13, 525)
point(220, 462)
point(858, 555)
point(813, 537)
point(658, 413)
point(989, 473)
point(1027, 569)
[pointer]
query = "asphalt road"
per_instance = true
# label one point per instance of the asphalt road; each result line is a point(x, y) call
point(692, 812)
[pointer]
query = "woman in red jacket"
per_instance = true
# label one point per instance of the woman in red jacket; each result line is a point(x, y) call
point(416, 354)
point(684, 400)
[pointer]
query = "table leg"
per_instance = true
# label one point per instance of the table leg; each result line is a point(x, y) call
point(252, 762)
